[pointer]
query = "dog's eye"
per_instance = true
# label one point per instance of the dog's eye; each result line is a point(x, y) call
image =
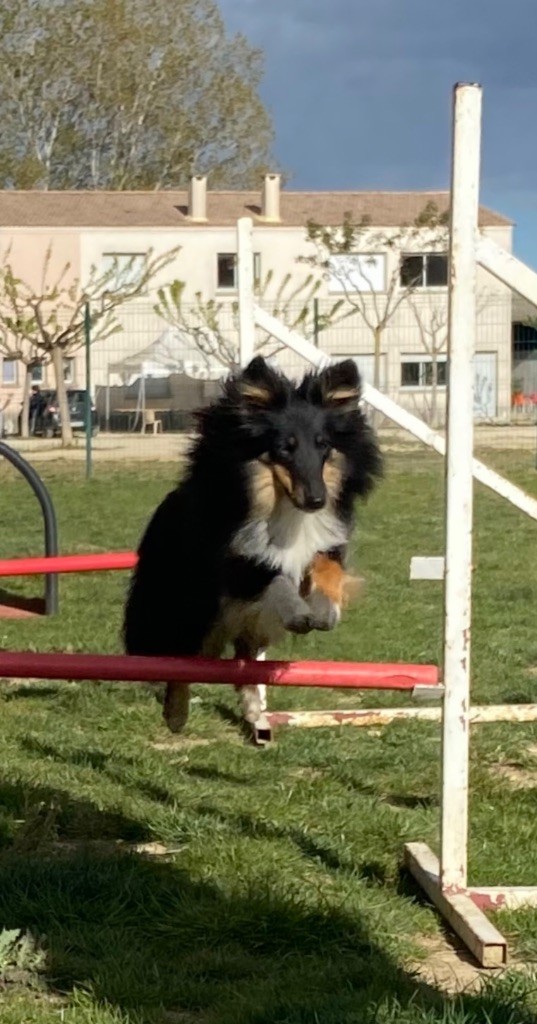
point(321, 441)
point(289, 445)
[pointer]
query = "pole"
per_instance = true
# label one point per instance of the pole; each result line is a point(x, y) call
point(87, 403)
point(50, 523)
point(222, 671)
point(316, 322)
point(245, 282)
point(459, 483)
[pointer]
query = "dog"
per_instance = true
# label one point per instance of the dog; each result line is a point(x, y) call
point(252, 542)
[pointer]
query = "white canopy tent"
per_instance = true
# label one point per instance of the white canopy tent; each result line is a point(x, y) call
point(174, 351)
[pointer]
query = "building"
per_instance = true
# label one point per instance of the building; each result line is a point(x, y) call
point(85, 229)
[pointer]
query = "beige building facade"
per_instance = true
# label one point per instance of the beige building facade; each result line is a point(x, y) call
point(92, 229)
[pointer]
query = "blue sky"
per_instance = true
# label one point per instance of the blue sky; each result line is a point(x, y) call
point(360, 93)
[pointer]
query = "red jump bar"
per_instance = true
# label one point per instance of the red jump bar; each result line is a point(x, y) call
point(131, 668)
point(68, 563)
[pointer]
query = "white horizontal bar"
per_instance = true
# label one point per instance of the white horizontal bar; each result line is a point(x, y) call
point(368, 717)
point(396, 413)
point(504, 897)
point(427, 568)
point(507, 269)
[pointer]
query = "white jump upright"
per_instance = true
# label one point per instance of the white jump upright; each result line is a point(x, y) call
point(445, 879)
point(459, 481)
point(245, 282)
point(446, 882)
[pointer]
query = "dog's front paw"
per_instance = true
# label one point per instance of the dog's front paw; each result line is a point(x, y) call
point(300, 622)
point(324, 613)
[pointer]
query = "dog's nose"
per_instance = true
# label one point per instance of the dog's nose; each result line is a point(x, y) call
point(314, 502)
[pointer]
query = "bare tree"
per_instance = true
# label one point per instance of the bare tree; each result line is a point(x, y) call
point(350, 255)
point(431, 318)
point(432, 324)
point(213, 326)
point(21, 350)
point(47, 324)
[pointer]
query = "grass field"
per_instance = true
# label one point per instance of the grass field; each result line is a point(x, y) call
point(197, 880)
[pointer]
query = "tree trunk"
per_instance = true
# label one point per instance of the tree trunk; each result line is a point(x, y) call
point(376, 357)
point(25, 411)
point(61, 393)
point(377, 335)
point(434, 387)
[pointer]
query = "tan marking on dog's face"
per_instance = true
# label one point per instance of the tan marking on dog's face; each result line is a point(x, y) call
point(255, 393)
point(342, 394)
point(263, 493)
point(333, 473)
point(283, 477)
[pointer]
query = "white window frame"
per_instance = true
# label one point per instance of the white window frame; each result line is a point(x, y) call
point(128, 266)
point(37, 373)
point(12, 363)
point(357, 272)
point(422, 359)
point(424, 256)
point(227, 288)
point(68, 370)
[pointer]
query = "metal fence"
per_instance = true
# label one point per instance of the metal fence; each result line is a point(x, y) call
point(149, 377)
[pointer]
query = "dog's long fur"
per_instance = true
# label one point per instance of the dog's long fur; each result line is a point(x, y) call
point(253, 540)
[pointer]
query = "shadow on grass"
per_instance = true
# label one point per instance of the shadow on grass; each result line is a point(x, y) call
point(146, 938)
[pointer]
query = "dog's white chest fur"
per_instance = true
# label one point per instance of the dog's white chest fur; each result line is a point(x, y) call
point(289, 538)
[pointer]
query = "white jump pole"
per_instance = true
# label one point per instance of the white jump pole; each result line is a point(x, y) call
point(245, 282)
point(459, 484)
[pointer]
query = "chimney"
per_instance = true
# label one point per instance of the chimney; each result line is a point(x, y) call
point(270, 203)
point(197, 198)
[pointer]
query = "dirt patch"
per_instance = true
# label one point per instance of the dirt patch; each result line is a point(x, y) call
point(180, 743)
point(107, 847)
point(307, 773)
point(517, 775)
point(449, 966)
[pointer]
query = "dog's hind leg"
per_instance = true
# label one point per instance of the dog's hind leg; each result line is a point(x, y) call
point(176, 706)
point(253, 697)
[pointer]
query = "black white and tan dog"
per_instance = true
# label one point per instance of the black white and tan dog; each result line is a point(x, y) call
point(252, 542)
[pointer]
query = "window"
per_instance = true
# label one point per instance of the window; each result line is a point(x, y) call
point(226, 272)
point(37, 373)
point(357, 273)
point(68, 370)
point(123, 269)
point(426, 270)
point(417, 371)
point(9, 371)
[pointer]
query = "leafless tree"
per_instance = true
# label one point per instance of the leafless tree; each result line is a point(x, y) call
point(348, 254)
point(47, 324)
point(213, 326)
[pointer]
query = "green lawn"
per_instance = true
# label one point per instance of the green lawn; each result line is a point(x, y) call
point(280, 899)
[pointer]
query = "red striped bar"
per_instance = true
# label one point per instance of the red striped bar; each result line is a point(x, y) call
point(68, 563)
point(131, 668)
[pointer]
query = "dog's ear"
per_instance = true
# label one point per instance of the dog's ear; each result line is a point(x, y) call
point(260, 385)
point(340, 386)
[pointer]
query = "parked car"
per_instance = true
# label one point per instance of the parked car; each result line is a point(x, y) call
point(48, 422)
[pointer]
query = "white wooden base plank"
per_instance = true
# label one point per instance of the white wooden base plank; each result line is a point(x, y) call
point(504, 897)
point(367, 717)
point(483, 940)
